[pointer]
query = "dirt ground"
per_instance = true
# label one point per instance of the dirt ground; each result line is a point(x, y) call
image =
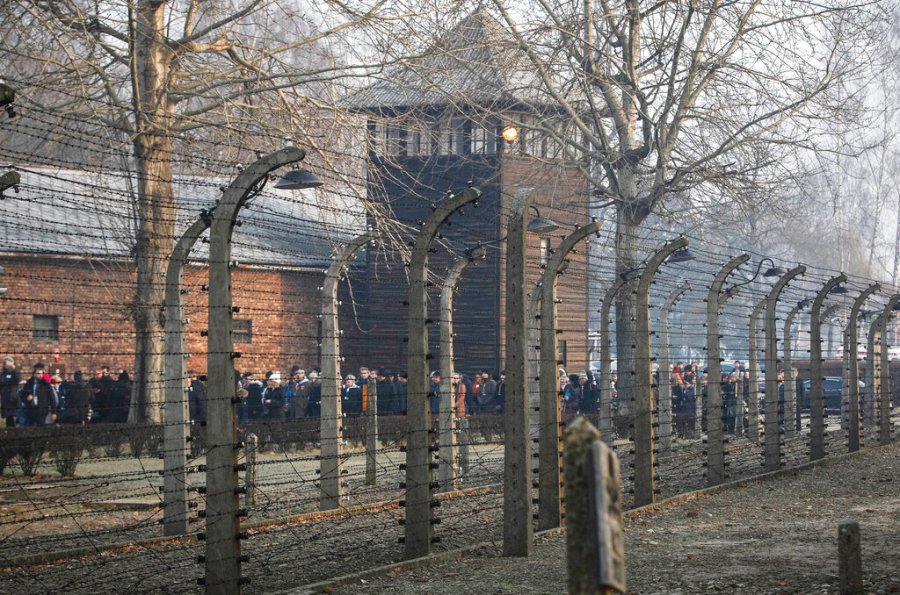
point(769, 536)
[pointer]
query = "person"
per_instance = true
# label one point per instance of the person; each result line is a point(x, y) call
point(729, 400)
point(800, 399)
point(314, 395)
point(571, 394)
point(486, 393)
point(459, 395)
point(402, 391)
point(36, 399)
point(434, 393)
point(680, 405)
point(296, 393)
point(118, 397)
point(590, 395)
point(197, 398)
point(387, 393)
point(254, 390)
point(78, 395)
point(500, 393)
point(273, 397)
point(689, 381)
point(9, 387)
point(363, 383)
point(351, 397)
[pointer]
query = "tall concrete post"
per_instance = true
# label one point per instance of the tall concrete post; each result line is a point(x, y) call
point(816, 390)
point(371, 417)
point(607, 427)
point(884, 386)
point(791, 412)
point(753, 369)
point(644, 453)
point(665, 364)
point(223, 549)
point(419, 465)
point(875, 357)
point(715, 443)
point(549, 476)
point(517, 526)
point(449, 472)
point(850, 356)
point(176, 429)
point(331, 438)
point(772, 434)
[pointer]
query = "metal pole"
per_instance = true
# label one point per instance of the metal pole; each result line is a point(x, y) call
point(665, 364)
point(715, 443)
point(753, 366)
point(850, 356)
point(517, 527)
point(223, 549)
point(817, 392)
point(331, 439)
point(418, 460)
point(884, 393)
point(772, 434)
point(607, 428)
point(176, 431)
point(549, 476)
point(449, 471)
point(790, 392)
point(644, 455)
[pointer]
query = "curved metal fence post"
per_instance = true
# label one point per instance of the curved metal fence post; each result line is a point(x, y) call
point(331, 458)
point(773, 417)
point(644, 457)
point(419, 529)
point(176, 429)
point(665, 364)
point(715, 443)
point(851, 357)
point(817, 392)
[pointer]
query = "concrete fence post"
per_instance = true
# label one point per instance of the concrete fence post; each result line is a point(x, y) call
point(874, 358)
point(773, 415)
point(331, 436)
point(884, 385)
point(252, 471)
point(372, 432)
point(849, 559)
point(607, 427)
point(851, 357)
point(665, 364)
point(579, 437)
point(791, 407)
point(817, 392)
point(419, 466)
point(753, 368)
point(715, 443)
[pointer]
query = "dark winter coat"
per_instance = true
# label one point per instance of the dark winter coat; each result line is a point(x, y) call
point(78, 396)
point(9, 392)
point(197, 400)
point(37, 400)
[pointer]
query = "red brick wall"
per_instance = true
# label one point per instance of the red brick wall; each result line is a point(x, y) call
point(91, 299)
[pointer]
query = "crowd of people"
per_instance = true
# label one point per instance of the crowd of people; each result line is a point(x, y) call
point(48, 395)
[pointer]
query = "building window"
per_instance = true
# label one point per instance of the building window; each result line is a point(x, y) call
point(242, 330)
point(46, 328)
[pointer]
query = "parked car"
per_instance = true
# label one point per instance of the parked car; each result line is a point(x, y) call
point(832, 389)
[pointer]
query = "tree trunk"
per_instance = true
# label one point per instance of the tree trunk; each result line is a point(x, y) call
point(155, 228)
point(626, 259)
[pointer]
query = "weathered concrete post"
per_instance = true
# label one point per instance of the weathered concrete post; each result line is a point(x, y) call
point(579, 437)
point(875, 357)
point(791, 412)
point(644, 453)
point(715, 443)
point(849, 559)
point(252, 472)
point(176, 416)
point(665, 364)
point(851, 358)
point(884, 386)
point(549, 494)
point(772, 434)
point(449, 473)
point(372, 431)
point(816, 391)
point(607, 427)
point(419, 465)
point(223, 548)
point(331, 436)
point(753, 368)
point(517, 526)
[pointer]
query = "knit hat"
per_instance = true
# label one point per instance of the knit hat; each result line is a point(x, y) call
point(275, 377)
point(296, 368)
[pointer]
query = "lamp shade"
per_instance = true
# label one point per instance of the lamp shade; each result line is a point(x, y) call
point(682, 255)
point(298, 179)
point(774, 272)
point(542, 225)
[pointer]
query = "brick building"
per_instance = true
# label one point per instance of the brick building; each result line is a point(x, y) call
point(438, 125)
point(65, 249)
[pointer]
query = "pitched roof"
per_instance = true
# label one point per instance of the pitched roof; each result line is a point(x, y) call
point(477, 63)
point(85, 214)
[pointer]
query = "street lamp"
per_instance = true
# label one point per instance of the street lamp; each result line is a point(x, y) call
point(298, 179)
point(772, 271)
